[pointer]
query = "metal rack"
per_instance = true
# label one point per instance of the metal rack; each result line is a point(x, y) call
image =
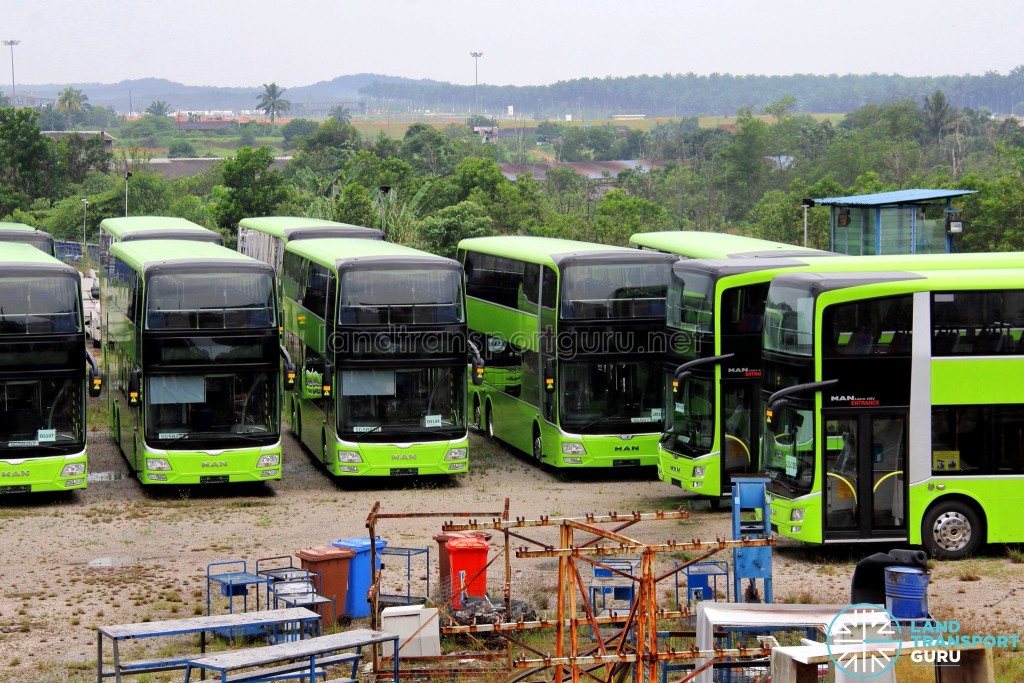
point(408, 598)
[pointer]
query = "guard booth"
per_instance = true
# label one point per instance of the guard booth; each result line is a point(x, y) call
point(901, 222)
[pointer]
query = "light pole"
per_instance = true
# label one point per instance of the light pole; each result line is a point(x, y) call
point(476, 78)
point(85, 212)
point(127, 175)
point(11, 44)
point(806, 203)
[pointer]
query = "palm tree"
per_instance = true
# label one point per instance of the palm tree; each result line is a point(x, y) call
point(939, 115)
point(71, 100)
point(271, 103)
point(341, 114)
point(158, 108)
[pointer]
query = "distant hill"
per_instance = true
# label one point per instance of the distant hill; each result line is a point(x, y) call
point(139, 93)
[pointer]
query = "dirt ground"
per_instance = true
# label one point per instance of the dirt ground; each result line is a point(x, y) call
point(116, 553)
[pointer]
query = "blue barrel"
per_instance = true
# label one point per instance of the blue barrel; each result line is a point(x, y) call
point(360, 577)
point(906, 592)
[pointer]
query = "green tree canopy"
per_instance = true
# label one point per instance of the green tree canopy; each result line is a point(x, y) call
point(251, 187)
point(271, 101)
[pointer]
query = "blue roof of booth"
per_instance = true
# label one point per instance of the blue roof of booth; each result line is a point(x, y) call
point(892, 198)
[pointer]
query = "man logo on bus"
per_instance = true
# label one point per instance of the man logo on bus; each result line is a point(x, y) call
point(864, 640)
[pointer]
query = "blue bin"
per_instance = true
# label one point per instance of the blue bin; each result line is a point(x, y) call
point(906, 592)
point(360, 575)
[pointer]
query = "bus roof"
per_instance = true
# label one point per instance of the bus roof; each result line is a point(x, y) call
point(145, 254)
point(922, 280)
point(958, 261)
point(545, 250)
point(126, 228)
point(15, 226)
point(698, 244)
point(286, 226)
point(22, 254)
point(336, 253)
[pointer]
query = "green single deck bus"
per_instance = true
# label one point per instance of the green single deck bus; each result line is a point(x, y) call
point(699, 244)
point(265, 238)
point(193, 349)
point(572, 339)
point(43, 378)
point(26, 234)
point(713, 368)
point(378, 333)
point(893, 407)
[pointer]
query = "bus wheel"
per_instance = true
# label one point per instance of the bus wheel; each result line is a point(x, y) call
point(538, 445)
point(951, 530)
point(477, 414)
point(488, 420)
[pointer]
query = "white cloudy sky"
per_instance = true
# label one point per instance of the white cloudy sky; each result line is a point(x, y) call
point(524, 42)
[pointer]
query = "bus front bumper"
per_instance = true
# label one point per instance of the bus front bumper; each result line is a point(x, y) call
point(797, 518)
point(227, 466)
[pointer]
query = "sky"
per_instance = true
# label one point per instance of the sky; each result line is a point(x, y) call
point(246, 43)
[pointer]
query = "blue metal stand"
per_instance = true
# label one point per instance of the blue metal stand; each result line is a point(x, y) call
point(751, 518)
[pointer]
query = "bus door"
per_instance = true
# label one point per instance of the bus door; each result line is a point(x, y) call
point(739, 437)
point(864, 476)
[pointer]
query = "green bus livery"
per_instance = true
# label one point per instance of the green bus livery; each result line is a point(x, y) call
point(700, 244)
point(43, 378)
point(378, 333)
point(12, 233)
point(893, 407)
point(571, 333)
point(193, 351)
point(264, 238)
point(713, 366)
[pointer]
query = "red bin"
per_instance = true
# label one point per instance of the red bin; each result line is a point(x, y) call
point(467, 555)
point(443, 564)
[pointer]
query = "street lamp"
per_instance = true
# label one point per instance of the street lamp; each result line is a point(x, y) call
point(11, 44)
point(85, 212)
point(806, 203)
point(127, 175)
point(476, 77)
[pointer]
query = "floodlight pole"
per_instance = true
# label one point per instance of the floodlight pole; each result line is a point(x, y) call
point(476, 78)
point(806, 203)
point(127, 175)
point(11, 44)
point(85, 212)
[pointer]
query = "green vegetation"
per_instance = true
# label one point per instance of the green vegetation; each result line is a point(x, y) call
point(427, 185)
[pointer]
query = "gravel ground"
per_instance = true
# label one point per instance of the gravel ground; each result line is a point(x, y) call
point(116, 553)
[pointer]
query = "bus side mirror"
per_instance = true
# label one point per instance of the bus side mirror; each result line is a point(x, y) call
point(478, 372)
point(95, 378)
point(328, 375)
point(288, 378)
point(133, 388)
point(549, 375)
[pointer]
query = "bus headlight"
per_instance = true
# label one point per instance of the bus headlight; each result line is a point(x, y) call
point(698, 472)
point(269, 460)
point(349, 456)
point(456, 454)
point(73, 470)
point(573, 448)
point(573, 461)
point(456, 466)
point(348, 469)
point(73, 482)
point(158, 464)
point(796, 515)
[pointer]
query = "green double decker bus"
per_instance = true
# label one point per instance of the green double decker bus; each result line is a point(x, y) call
point(264, 238)
point(19, 233)
point(43, 377)
point(713, 368)
point(194, 356)
point(701, 244)
point(378, 334)
point(572, 339)
point(893, 407)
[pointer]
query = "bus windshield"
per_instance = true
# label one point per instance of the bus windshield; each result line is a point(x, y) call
point(788, 452)
point(396, 296)
point(789, 320)
point(395, 401)
point(600, 397)
point(35, 305)
point(210, 300)
point(210, 406)
point(614, 290)
point(40, 412)
point(691, 299)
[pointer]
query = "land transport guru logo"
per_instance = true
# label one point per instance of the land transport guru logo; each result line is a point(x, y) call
point(864, 640)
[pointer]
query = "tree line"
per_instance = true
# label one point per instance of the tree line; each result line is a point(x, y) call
point(437, 184)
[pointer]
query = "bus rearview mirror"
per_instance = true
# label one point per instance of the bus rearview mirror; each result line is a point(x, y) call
point(549, 375)
point(133, 388)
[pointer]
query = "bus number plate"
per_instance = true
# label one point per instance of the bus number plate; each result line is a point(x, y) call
point(222, 479)
point(625, 463)
point(403, 471)
point(15, 489)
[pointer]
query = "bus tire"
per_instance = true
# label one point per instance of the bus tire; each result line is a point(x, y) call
point(488, 420)
point(538, 445)
point(952, 530)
